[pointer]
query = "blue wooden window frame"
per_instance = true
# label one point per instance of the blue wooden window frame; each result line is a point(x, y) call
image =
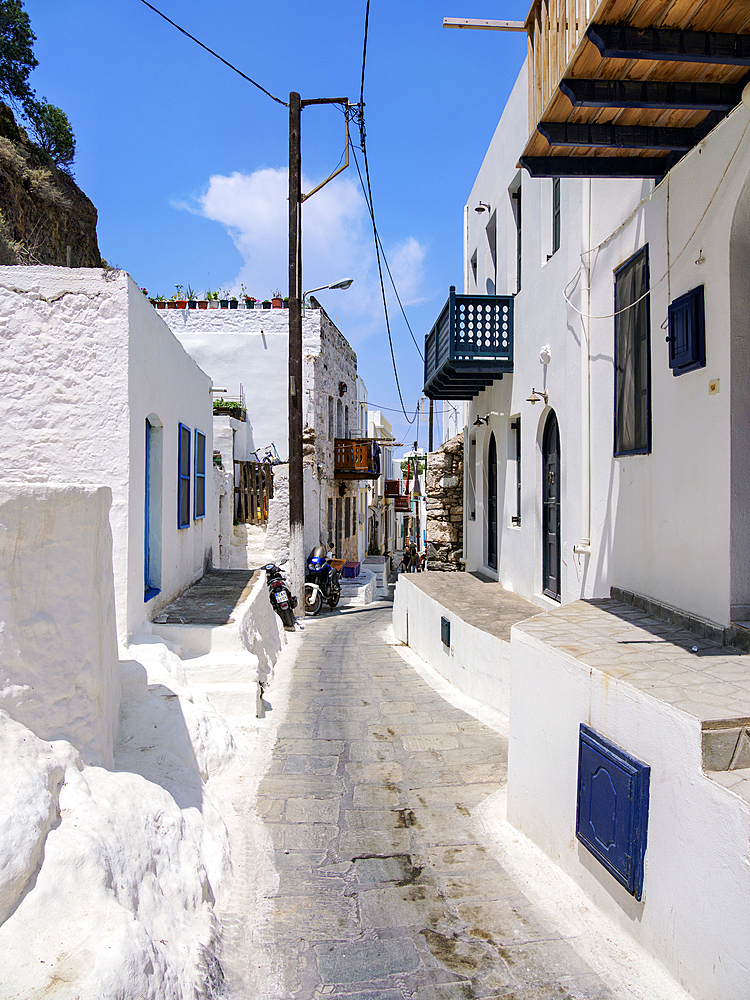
point(200, 475)
point(149, 590)
point(555, 214)
point(632, 368)
point(183, 477)
point(687, 332)
point(612, 808)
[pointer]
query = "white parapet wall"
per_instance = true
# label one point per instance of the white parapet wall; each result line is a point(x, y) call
point(58, 646)
point(231, 664)
point(695, 913)
point(476, 662)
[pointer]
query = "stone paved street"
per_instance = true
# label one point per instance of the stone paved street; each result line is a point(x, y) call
point(385, 890)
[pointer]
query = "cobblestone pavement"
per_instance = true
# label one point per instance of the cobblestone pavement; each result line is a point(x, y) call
point(385, 890)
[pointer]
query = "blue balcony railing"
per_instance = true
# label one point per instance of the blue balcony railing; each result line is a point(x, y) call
point(470, 345)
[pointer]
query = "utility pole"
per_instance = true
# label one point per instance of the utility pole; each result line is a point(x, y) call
point(295, 572)
point(296, 564)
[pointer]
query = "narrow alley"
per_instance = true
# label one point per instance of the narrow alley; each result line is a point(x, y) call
point(385, 890)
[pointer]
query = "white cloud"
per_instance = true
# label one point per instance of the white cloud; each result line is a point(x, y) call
point(337, 243)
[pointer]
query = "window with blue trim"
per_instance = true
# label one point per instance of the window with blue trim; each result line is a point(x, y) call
point(632, 357)
point(183, 469)
point(200, 474)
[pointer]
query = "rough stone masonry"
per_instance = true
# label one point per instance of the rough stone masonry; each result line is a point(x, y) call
point(445, 506)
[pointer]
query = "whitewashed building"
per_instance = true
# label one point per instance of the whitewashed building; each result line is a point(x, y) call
point(246, 352)
point(600, 346)
point(97, 391)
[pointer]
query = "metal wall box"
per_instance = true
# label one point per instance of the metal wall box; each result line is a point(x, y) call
point(612, 810)
point(445, 631)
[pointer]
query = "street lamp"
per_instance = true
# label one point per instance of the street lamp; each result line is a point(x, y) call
point(346, 283)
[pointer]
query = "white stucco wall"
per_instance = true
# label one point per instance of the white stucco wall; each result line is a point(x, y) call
point(249, 348)
point(695, 913)
point(659, 524)
point(85, 360)
point(477, 663)
point(58, 645)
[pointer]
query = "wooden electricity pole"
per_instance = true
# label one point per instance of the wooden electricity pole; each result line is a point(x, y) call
point(296, 570)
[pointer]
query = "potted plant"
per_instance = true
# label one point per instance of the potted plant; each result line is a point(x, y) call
point(277, 302)
point(160, 302)
point(266, 303)
point(192, 297)
point(223, 299)
point(212, 299)
point(250, 302)
point(233, 303)
point(286, 301)
point(179, 301)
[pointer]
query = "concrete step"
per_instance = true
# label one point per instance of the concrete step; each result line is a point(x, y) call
point(232, 699)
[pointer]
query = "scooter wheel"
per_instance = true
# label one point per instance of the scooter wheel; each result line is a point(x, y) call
point(313, 601)
point(287, 617)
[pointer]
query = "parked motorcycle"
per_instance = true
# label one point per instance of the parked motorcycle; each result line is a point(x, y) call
point(280, 596)
point(321, 582)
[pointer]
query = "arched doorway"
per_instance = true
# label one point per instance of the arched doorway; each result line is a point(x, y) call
point(551, 508)
point(492, 504)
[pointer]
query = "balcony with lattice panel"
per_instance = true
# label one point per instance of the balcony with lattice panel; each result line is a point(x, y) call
point(624, 88)
point(470, 345)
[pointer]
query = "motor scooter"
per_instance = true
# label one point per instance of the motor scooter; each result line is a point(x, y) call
point(321, 582)
point(282, 600)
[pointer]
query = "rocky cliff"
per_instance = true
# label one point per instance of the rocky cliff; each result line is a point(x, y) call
point(45, 218)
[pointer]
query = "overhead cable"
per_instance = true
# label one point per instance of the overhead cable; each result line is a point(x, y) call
point(216, 54)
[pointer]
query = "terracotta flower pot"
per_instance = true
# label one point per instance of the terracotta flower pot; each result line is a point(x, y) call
point(202, 304)
point(161, 305)
point(171, 304)
point(277, 303)
point(181, 304)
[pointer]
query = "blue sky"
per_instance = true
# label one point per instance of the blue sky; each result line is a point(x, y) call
point(185, 161)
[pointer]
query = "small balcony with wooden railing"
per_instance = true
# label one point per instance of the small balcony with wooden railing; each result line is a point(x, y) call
point(356, 458)
point(470, 345)
point(625, 89)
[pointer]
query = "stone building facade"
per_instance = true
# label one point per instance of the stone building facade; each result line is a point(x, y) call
point(445, 506)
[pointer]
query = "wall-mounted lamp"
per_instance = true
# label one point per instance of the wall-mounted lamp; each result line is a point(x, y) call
point(485, 419)
point(216, 389)
point(536, 396)
point(481, 207)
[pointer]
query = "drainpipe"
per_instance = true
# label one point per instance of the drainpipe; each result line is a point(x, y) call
point(584, 546)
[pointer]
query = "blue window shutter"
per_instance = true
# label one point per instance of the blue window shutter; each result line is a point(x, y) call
point(200, 475)
point(183, 478)
point(612, 810)
point(687, 332)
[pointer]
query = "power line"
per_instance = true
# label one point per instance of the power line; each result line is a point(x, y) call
point(216, 54)
point(364, 56)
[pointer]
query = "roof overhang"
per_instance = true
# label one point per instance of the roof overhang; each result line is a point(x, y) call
point(625, 89)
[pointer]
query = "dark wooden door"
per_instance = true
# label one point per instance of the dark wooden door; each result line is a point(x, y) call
point(492, 504)
point(551, 509)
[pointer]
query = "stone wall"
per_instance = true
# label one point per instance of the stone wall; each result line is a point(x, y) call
point(445, 506)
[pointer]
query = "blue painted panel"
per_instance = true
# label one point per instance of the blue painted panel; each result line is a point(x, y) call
point(445, 631)
point(612, 811)
point(687, 332)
